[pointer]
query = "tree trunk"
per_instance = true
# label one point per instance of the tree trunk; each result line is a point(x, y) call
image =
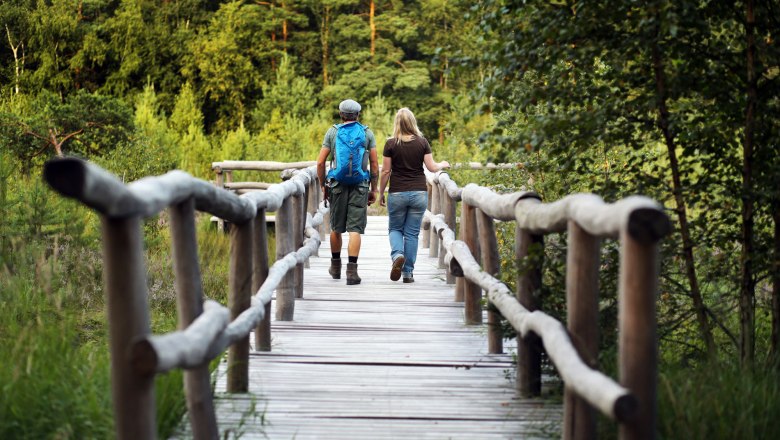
point(273, 44)
point(15, 50)
point(284, 29)
point(372, 25)
point(775, 348)
point(324, 38)
point(690, 268)
point(747, 294)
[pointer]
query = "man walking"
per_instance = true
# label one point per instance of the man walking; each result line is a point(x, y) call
point(346, 185)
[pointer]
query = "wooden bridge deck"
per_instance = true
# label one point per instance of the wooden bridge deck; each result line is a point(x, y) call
point(381, 360)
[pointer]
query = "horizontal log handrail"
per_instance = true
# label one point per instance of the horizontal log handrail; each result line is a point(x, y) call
point(486, 166)
point(247, 185)
point(638, 222)
point(206, 328)
point(105, 193)
point(257, 165)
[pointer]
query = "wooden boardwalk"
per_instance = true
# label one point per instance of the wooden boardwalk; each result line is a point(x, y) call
point(381, 360)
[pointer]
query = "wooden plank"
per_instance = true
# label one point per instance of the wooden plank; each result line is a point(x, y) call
point(380, 360)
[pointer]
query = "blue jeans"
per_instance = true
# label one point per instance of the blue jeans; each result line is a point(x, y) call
point(406, 210)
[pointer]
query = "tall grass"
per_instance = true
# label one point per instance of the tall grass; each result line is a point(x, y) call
point(716, 402)
point(54, 375)
point(54, 359)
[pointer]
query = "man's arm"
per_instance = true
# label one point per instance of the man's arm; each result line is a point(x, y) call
point(321, 159)
point(327, 144)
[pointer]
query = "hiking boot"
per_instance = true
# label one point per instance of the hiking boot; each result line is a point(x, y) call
point(398, 265)
point(408, 278)
point(352, 275)
point(335, 268)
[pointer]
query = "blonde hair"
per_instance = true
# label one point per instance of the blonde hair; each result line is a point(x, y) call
point(404, 125)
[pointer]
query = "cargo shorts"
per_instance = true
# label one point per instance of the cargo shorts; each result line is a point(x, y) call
point(348, 207)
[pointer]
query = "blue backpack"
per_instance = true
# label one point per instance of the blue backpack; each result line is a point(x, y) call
point(350, 157)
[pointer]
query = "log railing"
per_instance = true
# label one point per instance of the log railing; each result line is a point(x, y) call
point(224, 179)
point(637, 222)
point(206, 328)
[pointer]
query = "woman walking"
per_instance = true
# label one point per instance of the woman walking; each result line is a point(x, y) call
point(402, 164)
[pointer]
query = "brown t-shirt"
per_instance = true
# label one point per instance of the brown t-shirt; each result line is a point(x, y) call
point(407, 163)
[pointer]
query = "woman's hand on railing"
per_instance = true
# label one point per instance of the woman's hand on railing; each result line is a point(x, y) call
point(443, 165)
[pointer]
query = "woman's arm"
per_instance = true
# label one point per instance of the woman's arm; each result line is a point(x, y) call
point(434, 166)
point(387, 168)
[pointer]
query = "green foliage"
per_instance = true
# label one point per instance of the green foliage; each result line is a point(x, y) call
point(224, 60)
point(54, 379)
point(186, 111)
point(236, 145)
point(197, 153)
point(84, 124)
point(599, 96)
point(53, 335)
point(294, 96)
point(378, 116)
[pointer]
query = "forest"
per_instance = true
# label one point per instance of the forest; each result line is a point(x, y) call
point(676, 100)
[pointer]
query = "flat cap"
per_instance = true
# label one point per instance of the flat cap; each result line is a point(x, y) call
point(349, 106)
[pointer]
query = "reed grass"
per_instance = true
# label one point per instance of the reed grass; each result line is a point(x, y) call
point(54, 359)
point(721, 401)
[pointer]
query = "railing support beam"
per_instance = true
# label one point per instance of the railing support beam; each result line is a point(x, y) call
point(239, 299)
point(638, 343)
point(299, 223)
point(582, 311)
point(529, 281)
point(449, 209)
point(433, 249)
point(285, 243)
point(426, 237)
point(128, 321)
point(259, 275)
point(189, 301)
point(491, 264)
point(472, 293)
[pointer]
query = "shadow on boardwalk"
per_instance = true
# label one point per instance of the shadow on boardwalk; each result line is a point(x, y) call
point(381, 360)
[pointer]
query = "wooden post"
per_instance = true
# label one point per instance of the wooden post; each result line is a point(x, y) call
point(492, 265)
point(529, 281)
point(426, 237)
point(312, 204)
point(220, 184)
point(285, 243)
point(442, 251)
point(259, 275)
point(124, 272)
point(433, 246)
point(638, 344)
point(460, 282)
point(582, 310)
point(239, 299)
point(325, 220)
point(472, 293)
point(299, 221)
point(448, 209)
point(189, 301)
